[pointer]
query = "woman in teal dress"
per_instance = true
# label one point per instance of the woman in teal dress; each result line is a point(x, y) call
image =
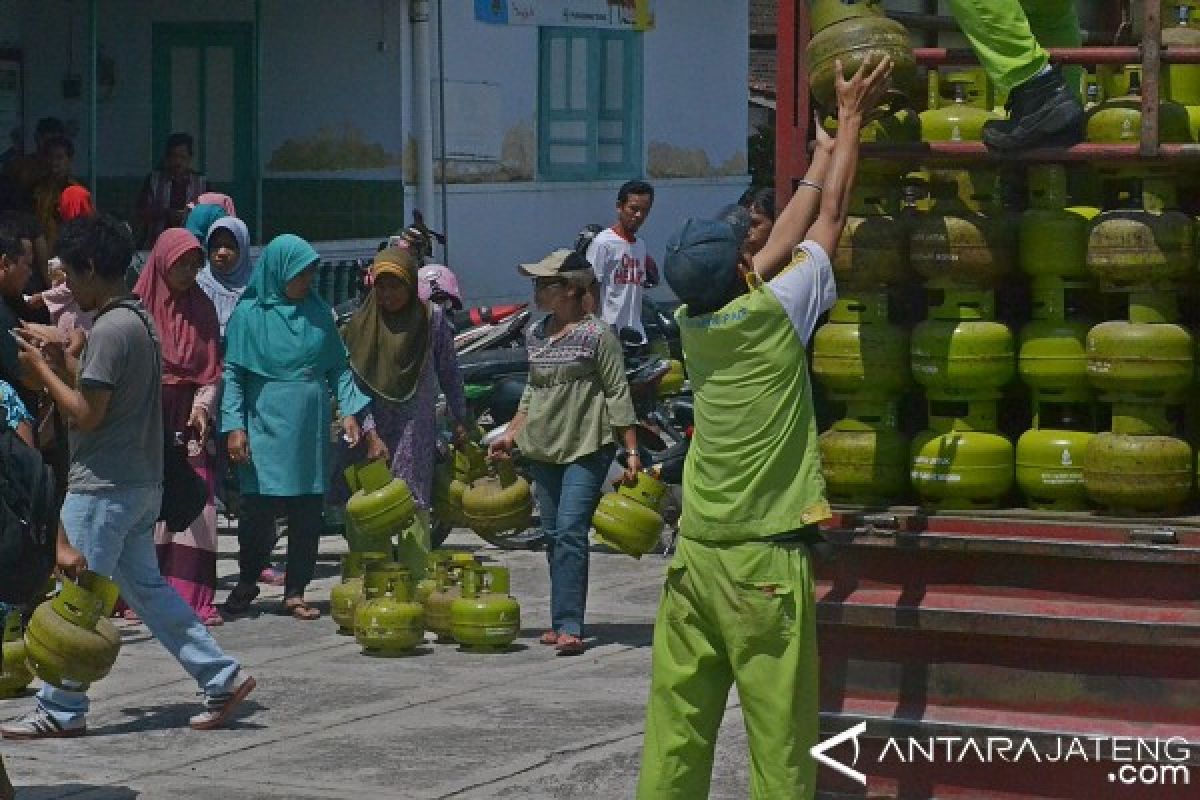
point(283, 358)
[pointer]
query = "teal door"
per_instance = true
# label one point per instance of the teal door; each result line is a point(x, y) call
point(203, 84)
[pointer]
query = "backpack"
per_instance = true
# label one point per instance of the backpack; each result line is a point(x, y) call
point(28, 520)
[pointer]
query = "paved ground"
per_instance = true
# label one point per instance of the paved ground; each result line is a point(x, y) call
point(327, 722)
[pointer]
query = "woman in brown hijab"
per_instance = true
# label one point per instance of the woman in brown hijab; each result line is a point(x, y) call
point(402, 352)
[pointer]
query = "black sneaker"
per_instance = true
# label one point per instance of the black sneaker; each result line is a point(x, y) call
point(1042, 112)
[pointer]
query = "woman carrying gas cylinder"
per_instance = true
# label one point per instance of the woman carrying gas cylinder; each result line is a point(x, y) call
point(576, 397)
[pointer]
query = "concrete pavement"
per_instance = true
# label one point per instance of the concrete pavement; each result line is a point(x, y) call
point(327, 722)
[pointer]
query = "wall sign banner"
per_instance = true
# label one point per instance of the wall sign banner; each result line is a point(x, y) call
point(627, 14)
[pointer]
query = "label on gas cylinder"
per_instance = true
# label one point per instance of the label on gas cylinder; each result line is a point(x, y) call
point(934, 461)
point(505, 631)
point(945, 477)
point(1062, 478)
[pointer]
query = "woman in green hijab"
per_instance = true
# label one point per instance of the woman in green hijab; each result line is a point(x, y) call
point(402, 352)
point(283, 357)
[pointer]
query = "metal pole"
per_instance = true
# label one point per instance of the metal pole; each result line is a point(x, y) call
point(423, 107)
point(441, 44)
point(1151, 64)
point(257, 127)
point(93, 56)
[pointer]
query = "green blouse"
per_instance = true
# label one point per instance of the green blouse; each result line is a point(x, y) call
point(576, 395)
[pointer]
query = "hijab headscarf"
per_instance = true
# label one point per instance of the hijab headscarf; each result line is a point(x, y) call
point(225, 288)
point(186, 322)
point(218, 199)
point(388, 351)
point(75, 201)
point(202, 217)
point(278, 338)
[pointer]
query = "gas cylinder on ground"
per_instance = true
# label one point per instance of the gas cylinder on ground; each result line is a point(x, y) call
point(856, 32)
point(429, 584)
point(387, 621)
point(345, 596)
point(629, 519)
point(500, 505)
point(69, 642)
point(448, 579)
point(380, 507)
point(15, 674)
point(485, 617)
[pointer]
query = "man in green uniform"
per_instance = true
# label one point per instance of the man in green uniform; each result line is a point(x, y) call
point(1009, 37)
point(738, 601)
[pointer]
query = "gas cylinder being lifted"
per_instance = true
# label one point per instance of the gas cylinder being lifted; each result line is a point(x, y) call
point(856, 32)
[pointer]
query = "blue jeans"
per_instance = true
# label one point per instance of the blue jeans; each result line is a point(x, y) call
point(567, 496)
point(115, 532)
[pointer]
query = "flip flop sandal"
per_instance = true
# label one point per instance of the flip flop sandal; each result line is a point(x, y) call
point(300, 610)
point(240, 598)
point(569, 645)
point(549, 638)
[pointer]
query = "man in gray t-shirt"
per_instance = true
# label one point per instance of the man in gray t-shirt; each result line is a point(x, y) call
point(114, 411)
point(126, 451)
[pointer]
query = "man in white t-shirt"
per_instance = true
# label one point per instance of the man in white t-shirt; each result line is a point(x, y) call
point(620, 261)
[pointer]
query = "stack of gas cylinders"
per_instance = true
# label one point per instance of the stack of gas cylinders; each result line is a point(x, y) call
point(391, 595)
point(1053, 356)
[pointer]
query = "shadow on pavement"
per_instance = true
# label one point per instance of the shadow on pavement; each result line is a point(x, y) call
point(172, 717)
point(79, 790)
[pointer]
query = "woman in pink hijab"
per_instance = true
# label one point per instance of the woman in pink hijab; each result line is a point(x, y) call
point(191, 370)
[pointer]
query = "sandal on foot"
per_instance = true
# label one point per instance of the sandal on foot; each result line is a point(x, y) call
point(549, 638)
point(570, 645)
point(240, 598)
point(300, 609)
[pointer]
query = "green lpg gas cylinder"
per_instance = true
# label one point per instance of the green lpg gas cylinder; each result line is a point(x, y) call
point(856, 32)
point(448, 578)
point(873, 249)
point(1118, 120)
point(380, 507)
point(864, 462)
point(387, 621)
point(1050, 469)
point(1148, 247)
point(673, 381)
point(1052, 359)
point(963, 356)
point(958, 120)
point(1147, 360)
point(485, 617)
point(494, 507)
point(859, 351)
point(15, 674)
point(960, 470)
point(629, 519)
point(1182, 81)
point(1138, 473)
point(470, 464)
point(954, 242)
point(69, 642)
point(429, 584)
point(1053, 240)
point(345, 596)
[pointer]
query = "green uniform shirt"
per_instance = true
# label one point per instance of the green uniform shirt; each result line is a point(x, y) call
point(576, 395)
point(754, 469)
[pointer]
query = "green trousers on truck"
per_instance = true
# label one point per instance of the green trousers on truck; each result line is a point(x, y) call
point(1010, 37)
point(733, 613)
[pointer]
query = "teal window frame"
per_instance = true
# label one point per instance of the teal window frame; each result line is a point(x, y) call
point(594, 114)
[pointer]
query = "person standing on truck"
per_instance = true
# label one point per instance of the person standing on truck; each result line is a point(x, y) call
point(620, 261)
point(1010, 37)
point(738, 602)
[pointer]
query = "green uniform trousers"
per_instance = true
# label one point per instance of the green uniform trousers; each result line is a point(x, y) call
point(730, 613)
point(1009, 36)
